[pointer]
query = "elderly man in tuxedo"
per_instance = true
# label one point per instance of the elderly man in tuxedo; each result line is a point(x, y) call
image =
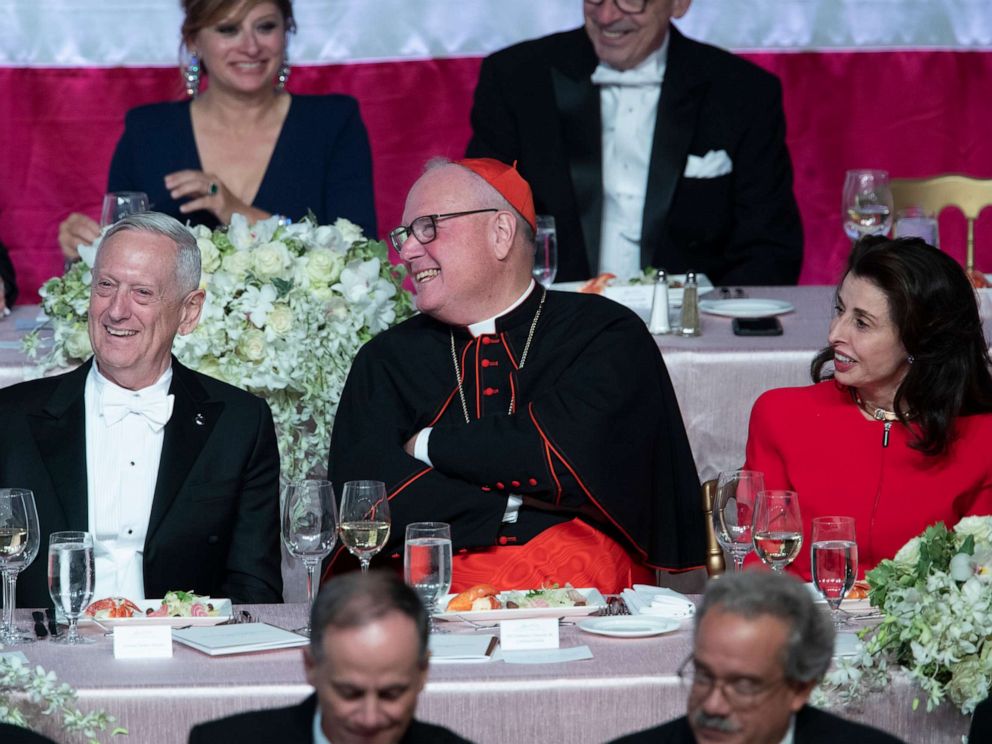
point(649, 149)
point(175, 473)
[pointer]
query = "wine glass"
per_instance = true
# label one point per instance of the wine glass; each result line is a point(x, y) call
point(733, 510)
point(119, 204)
point(70, 578)
point(20, 538)
point(545, 251)
point(867, 203)
point(778, 528)
point(364, 523)
point(834, 560)
point(427, 563)
point(309, 529)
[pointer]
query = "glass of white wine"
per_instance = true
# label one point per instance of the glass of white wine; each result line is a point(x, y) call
point(867, 203)
point(778, 528)
point(364, 524)
point(309, 529)
point(427, 563)
point(834, 559)
point(19, 542)
point(119, 204)
point(70, 579)
point(545, 251)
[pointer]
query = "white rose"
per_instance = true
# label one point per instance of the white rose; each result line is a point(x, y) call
point(322, 294)
point(77, 343)
point(323, 266)
point(978, 527)
point(270, 259)
point(326, 236)
point(280, 319)
point(209, 255)
point(237, 263)
point(909, 554)
point(252, 345)
point(350, 232)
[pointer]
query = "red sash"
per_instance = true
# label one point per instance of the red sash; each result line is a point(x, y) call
point(572, 553)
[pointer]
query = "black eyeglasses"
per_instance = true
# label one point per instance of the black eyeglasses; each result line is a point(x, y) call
point(424, 229)
point(625, 6)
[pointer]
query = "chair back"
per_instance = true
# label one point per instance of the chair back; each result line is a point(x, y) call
point(970, 195)
point(715, 562)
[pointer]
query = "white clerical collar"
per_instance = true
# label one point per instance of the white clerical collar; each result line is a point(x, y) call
point(488, 326)
point(157, 388)
point(318, 729)
point(652, 66)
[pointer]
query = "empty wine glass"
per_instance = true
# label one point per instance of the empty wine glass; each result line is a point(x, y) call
point(545, 251)
point(364, 523)
point(778, 528)
point(20, 539)
point(119, 204)
point(70, 579)
point(427, 563)
point(867, 203)
point(733, 511)
point(834, 558)
point(309, 529)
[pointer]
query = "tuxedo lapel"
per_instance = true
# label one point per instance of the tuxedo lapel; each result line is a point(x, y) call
point(193, 419)
point(682, 94)
point(59, 432)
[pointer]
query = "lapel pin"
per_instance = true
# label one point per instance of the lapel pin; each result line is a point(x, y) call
point(198, 419)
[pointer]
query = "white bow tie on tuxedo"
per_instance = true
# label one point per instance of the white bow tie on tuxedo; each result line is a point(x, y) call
point(117, 403)
point(639, 76)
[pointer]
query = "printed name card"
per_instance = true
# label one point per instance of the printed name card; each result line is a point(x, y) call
point(143, 642)
point(529, 634)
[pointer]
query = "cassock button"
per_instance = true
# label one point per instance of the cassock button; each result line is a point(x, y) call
point(499, 486)
point(502, 540)
point(490, 391)
point(515, 484)
point(486, 340)
point(486, 488)
point(532, 481)
point(485, 362)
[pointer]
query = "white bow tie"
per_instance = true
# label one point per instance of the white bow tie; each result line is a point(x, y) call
point(116, 404)
point(646, 76)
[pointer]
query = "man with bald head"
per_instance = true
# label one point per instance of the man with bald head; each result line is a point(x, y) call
point(541, 425)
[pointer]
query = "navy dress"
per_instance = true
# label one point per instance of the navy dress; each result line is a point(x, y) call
point(321, 161)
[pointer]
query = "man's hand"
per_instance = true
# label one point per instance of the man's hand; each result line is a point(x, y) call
point(75, 229)
point(411, 443)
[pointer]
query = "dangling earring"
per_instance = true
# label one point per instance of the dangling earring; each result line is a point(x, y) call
point(283, 75)
point(910, 359)
point(191, 76)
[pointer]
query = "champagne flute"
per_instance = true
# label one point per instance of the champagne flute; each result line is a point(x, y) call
point(834, 560)
point(20, 538)
point(70, 578)
point(733, 510)
point(309, 529)
point(427, 563)
point(777, 528)
point(867, 203)
point(545, 251)
point(119, 204)
point(364, 523)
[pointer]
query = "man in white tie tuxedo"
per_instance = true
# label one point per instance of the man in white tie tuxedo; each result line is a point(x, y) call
point(174, 473)
point(648, 148)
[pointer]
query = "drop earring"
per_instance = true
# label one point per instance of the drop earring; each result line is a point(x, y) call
point(283, 75)
point(191, 76)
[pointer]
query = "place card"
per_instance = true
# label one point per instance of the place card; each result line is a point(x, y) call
point(529, 634)
point(143, 642)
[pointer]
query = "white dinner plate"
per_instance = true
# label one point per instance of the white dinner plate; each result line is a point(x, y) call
point(594, 602)
point(223, 606)
point(629, 626)
point(746, 308)
point(637, 296)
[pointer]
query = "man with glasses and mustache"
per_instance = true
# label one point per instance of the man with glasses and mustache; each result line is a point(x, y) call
point(761, 646)
point(541, 425)
point(648, 148)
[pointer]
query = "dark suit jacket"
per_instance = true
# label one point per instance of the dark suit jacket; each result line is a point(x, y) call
point(535, 104)
point(294, 725)
point(214, 523)
point(813, 726)
point(981, 723)
point(8, 277)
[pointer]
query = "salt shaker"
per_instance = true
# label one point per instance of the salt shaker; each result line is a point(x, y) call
point(690, 306)
point(659, 305)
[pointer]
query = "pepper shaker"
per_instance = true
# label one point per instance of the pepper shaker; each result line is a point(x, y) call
point(690, 306)
point(659, 305)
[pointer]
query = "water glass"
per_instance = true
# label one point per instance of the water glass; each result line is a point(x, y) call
point(119, 204)
point(70, 579)
point(364, 524)
point(427, 563)
point(867, 203)
point(777, 529)
point(733, 512)
point(309, 529)
point(20, 538)
point(834, 559)
point(545, 251)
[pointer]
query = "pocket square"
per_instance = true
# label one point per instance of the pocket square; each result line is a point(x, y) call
point(711, 165)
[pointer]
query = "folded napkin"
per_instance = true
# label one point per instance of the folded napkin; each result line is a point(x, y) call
point(659, 602)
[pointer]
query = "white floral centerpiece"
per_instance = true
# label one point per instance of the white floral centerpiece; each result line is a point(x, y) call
point(936, 600)
point(287, 308)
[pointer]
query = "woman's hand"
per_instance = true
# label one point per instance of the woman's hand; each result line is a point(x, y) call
point(75, 229)
point(207, 191)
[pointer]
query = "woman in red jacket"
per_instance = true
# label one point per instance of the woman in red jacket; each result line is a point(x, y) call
point(897, 430)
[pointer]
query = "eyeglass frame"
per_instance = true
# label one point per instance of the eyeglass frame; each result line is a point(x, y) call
point(688, 675)
point(616, 3)
point(433, 219)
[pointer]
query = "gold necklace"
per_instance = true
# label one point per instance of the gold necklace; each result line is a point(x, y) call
point(523, 361)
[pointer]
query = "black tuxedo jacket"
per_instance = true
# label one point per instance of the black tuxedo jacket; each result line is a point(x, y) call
point(813, 726)
point(294, 725)
point(7, 276)
point(535, 104)
point(214, 523)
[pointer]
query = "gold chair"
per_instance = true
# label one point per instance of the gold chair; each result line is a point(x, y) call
point(970, 195)
point(715, 563)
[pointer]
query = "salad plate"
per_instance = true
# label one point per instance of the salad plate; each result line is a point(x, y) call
point(745, 308)
point(224, 614)
point(594, 603)
point(629, 626)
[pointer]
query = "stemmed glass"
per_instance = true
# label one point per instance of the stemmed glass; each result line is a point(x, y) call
point(427, 563)
point(119, 204)
point(365, 522)
point(309, 529)
point(778, 528)
point(545, 251)
point(733, 510)
point(20, 538)
point(867, 203)
point(834, 558)
point(70, 578)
